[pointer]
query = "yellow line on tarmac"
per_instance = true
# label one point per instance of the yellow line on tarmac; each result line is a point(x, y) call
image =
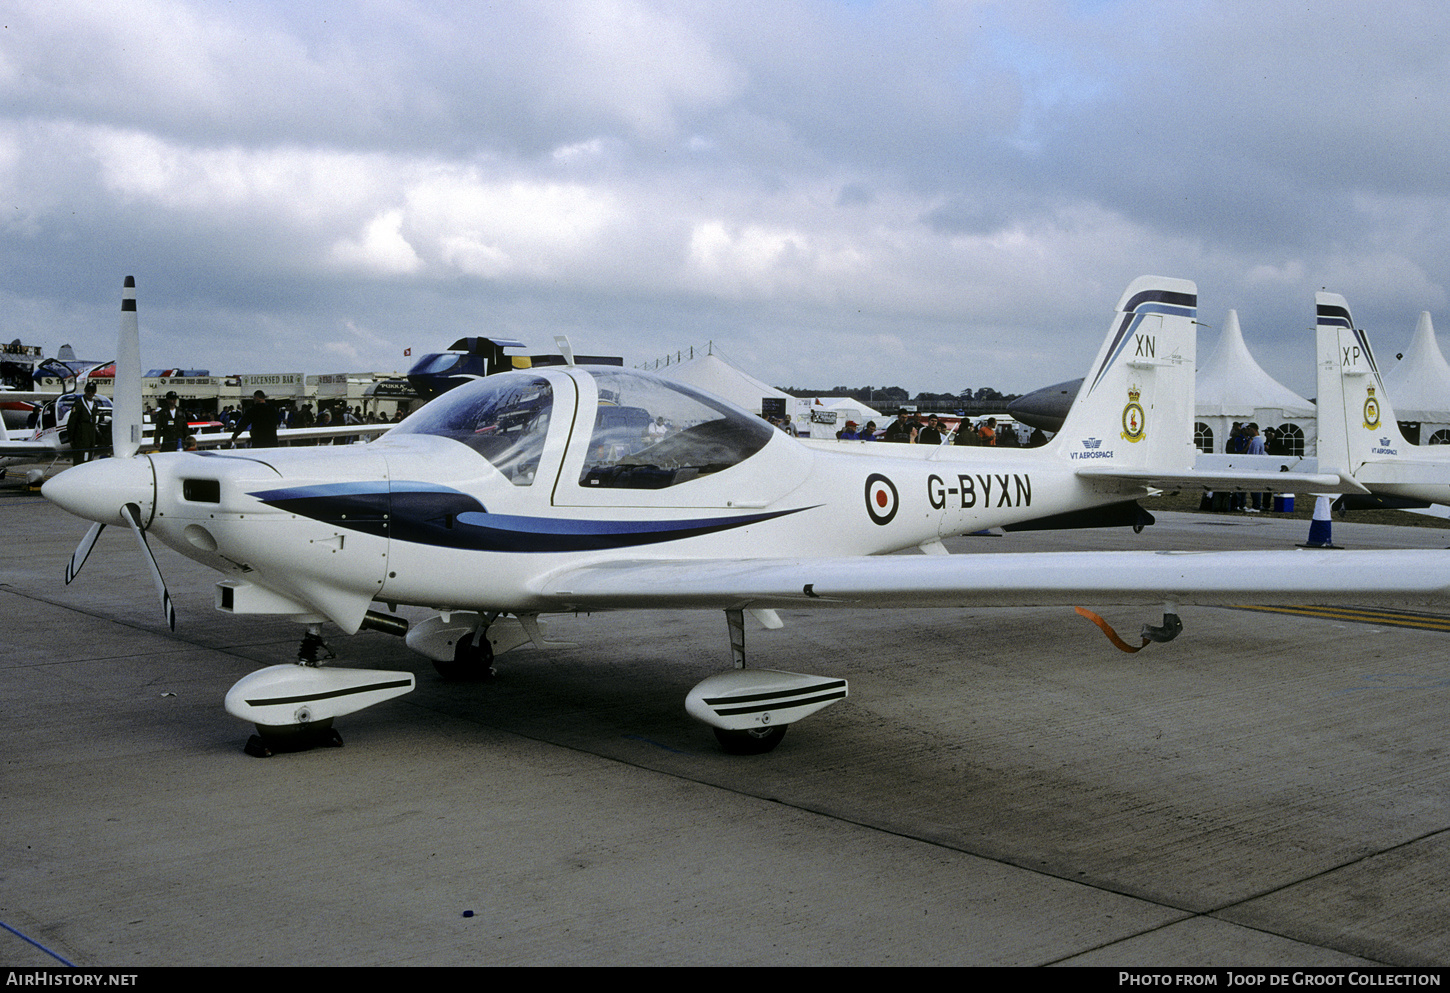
point(1361, 615)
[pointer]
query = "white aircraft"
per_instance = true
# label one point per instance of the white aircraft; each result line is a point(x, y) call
point(47, 443)
point(1358, 433)
point(44, 444)
point(34, 444)
point(544, 490)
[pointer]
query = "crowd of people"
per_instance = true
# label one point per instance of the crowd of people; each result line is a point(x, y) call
point(1245, 439)
point(929, 429)
point(262, 419)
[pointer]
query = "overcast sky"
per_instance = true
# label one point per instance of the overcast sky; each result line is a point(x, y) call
point(933, 195)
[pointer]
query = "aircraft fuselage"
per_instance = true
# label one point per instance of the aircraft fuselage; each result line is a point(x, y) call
point(417, 518)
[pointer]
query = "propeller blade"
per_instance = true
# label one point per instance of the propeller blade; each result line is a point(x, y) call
point(132, 514)
point(126, 390)
point(82, 552)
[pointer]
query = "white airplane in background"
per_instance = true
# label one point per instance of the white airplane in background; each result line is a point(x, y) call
point(542, 491)
point(1358, 433)
point(38, 446)
point(46, 444)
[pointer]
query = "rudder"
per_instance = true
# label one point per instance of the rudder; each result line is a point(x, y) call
point(1135, 408)
point(1356, 420)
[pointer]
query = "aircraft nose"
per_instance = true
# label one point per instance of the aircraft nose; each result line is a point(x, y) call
point(98, 490)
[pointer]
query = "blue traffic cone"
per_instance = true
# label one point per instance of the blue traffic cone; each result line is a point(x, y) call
point(1319, 527)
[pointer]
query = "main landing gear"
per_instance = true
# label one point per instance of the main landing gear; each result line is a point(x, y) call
point(294, 706)
point(268, 741)
point(462, 644)
point(472, 660)
point(751, 741)
point(750, 709)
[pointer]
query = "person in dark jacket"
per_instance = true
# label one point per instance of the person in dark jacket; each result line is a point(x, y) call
point(901, 430)
point(83, 426)
point(930, 434)
point(261, 419)
point(169, 422)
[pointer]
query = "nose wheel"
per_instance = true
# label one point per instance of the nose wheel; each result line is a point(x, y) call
point(752, 741)
point(293, 706)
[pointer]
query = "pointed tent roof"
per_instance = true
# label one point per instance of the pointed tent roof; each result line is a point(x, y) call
point(714, 375)
point(849, 403)
point(1419, 384)
point(1232, 384)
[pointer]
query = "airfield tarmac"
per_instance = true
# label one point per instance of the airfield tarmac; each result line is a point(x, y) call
point(1003, 787)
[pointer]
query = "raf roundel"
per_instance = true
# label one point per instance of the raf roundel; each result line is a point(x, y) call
point(881, 499)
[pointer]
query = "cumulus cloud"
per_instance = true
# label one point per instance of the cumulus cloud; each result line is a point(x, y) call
point(382, 249)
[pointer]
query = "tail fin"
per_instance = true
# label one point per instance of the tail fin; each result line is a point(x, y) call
point(1135, 408)
point(1356, 421)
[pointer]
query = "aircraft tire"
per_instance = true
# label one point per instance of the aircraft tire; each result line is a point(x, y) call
point(756, 741)
point(292, 738)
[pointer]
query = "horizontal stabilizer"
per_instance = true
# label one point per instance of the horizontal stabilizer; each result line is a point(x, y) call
point(1248, 480)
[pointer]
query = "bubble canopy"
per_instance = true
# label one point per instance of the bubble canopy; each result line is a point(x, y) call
point(644, 432)
point(503, 418)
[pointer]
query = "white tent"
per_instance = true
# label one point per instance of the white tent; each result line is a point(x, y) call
point(713, 374)
point(1419, 385)
point(716, 375)
point(1233, 387)
point(808, 420)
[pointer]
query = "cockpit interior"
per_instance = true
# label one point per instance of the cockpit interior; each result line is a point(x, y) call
point(645, 432)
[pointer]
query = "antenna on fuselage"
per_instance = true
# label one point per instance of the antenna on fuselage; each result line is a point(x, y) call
point(561, 341)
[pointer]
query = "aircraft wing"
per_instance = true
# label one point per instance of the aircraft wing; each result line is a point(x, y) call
point(1231, 479)
point(1023, 579)
point(215, 439)
point(331, 431)
point(27, 449)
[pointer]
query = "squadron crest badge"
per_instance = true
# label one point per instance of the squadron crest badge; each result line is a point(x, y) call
point(1134, 422)
point(1371, 410)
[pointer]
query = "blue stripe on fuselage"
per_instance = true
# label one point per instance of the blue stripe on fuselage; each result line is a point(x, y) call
point(429, 514)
